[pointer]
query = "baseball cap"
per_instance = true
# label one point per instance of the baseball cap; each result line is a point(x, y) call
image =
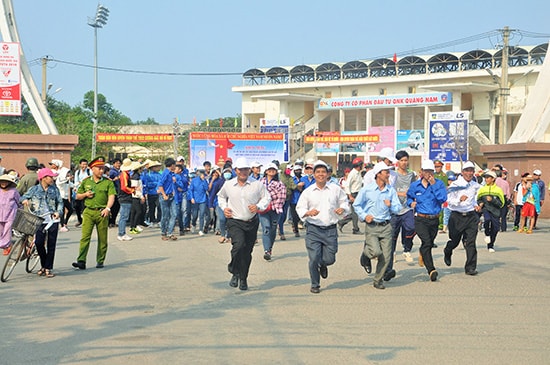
point(319, 163)
point(57, 163)
point(256, 164)
point(490, 173)
point(468, 165)
point(180, 158)
point(537, 172)
point(42, 173)
point(241, 163)
point(379, 167)
point(269, 166)
point(387, 152)
point(428, 165)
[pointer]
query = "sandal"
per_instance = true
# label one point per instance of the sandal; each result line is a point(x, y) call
point(173, 238)
point(41, 272)
point(48, 273)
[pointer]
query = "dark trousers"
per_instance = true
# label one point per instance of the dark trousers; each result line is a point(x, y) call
point(78, 209)
point(136, 213)
point(67, 206)
point(463, 228)
point(283, 217)
point(295, 217)
point(517, 217)
point(243, 237)
point(321, 245)
point(46, 250)
point(491, 225)
point(403, 224)
point(502, 219)
point(426, 230)
point(351, 217)
point(114, 211)
point(153, 208)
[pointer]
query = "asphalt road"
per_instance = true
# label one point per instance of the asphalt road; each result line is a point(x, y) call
point(160, 302)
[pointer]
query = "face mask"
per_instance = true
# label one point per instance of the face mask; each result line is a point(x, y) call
point(227, 175)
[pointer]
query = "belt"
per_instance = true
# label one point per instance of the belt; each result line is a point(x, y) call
point(428, 216)
point(325, 228)
point(384, 223)
point(97, 208)
point(465, 214)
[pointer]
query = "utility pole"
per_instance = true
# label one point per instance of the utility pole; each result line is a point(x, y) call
point(44, 85)
point(504, 88)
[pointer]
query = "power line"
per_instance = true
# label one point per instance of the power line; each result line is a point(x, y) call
point(147, 72)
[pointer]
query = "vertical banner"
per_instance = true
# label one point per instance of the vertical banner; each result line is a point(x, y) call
point(10, 79)
point(278, 126)
point(449, 136)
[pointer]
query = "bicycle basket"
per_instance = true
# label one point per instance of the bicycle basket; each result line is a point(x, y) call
point(26, 222)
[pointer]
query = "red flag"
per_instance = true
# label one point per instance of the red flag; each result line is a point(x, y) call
point(395, 57)
point(221, 123)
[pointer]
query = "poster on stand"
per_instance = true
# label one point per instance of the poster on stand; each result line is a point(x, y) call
point(449, 136)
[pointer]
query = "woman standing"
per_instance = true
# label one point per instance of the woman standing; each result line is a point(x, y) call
point(9, 202)
point(138, 199)
point(270, 217)
point(45, 201)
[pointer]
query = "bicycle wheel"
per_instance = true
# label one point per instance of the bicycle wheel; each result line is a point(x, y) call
point(13, 258)
point(32, 259)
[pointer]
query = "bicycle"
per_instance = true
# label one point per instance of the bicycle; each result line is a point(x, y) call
point(25, 226)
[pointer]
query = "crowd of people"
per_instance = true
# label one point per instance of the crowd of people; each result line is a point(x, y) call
point(236, 200)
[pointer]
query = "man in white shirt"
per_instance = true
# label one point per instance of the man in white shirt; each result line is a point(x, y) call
point(241, 199)
point(321, 205)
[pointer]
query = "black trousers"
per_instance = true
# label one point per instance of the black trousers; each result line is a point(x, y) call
point(463, 228)
point(243, 237)
point(426, 230)
point(66, 216)
point(114, 211)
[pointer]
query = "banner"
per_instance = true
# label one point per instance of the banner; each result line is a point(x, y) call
point(278, 126)
point(218, 147)
point(341, 138)
point(10, 79)
point(129, 138)
point(449, 136)
point(386, 101)
point(386, 138)
point(411, 141)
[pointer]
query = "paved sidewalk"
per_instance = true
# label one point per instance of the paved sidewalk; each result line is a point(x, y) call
point(158, 302)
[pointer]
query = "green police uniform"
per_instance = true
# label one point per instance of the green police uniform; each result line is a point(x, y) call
point(92, 216)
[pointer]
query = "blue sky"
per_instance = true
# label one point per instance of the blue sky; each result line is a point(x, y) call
point(180, 36)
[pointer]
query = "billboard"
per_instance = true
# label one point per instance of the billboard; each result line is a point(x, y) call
point(10, 79)
point(277, 126)
point(411, 141)
point(217, 147)
point(449, 136)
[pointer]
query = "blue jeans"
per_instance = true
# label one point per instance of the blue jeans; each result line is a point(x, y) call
point(200, 209)
point(124, 214)
point(269, 222)
point(169, 213)
point(220, 222)
point(283, 217)
point(182, 212)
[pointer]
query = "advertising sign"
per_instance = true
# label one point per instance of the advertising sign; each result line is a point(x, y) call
point(277, 126)
point(386, 138)
point(411, 141)
point(218, 147)
point(386, 101)
point(10, 79)
point(449, 136)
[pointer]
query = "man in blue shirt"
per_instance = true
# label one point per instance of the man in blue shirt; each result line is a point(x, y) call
point(425, 196)
point(374, 204)
point(167, 203)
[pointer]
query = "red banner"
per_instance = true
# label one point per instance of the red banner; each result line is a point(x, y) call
point(129, 138)
point(361, 138)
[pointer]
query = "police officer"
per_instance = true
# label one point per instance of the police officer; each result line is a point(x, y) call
point(98, 194)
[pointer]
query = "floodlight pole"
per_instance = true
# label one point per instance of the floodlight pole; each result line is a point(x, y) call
point(99, 21)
